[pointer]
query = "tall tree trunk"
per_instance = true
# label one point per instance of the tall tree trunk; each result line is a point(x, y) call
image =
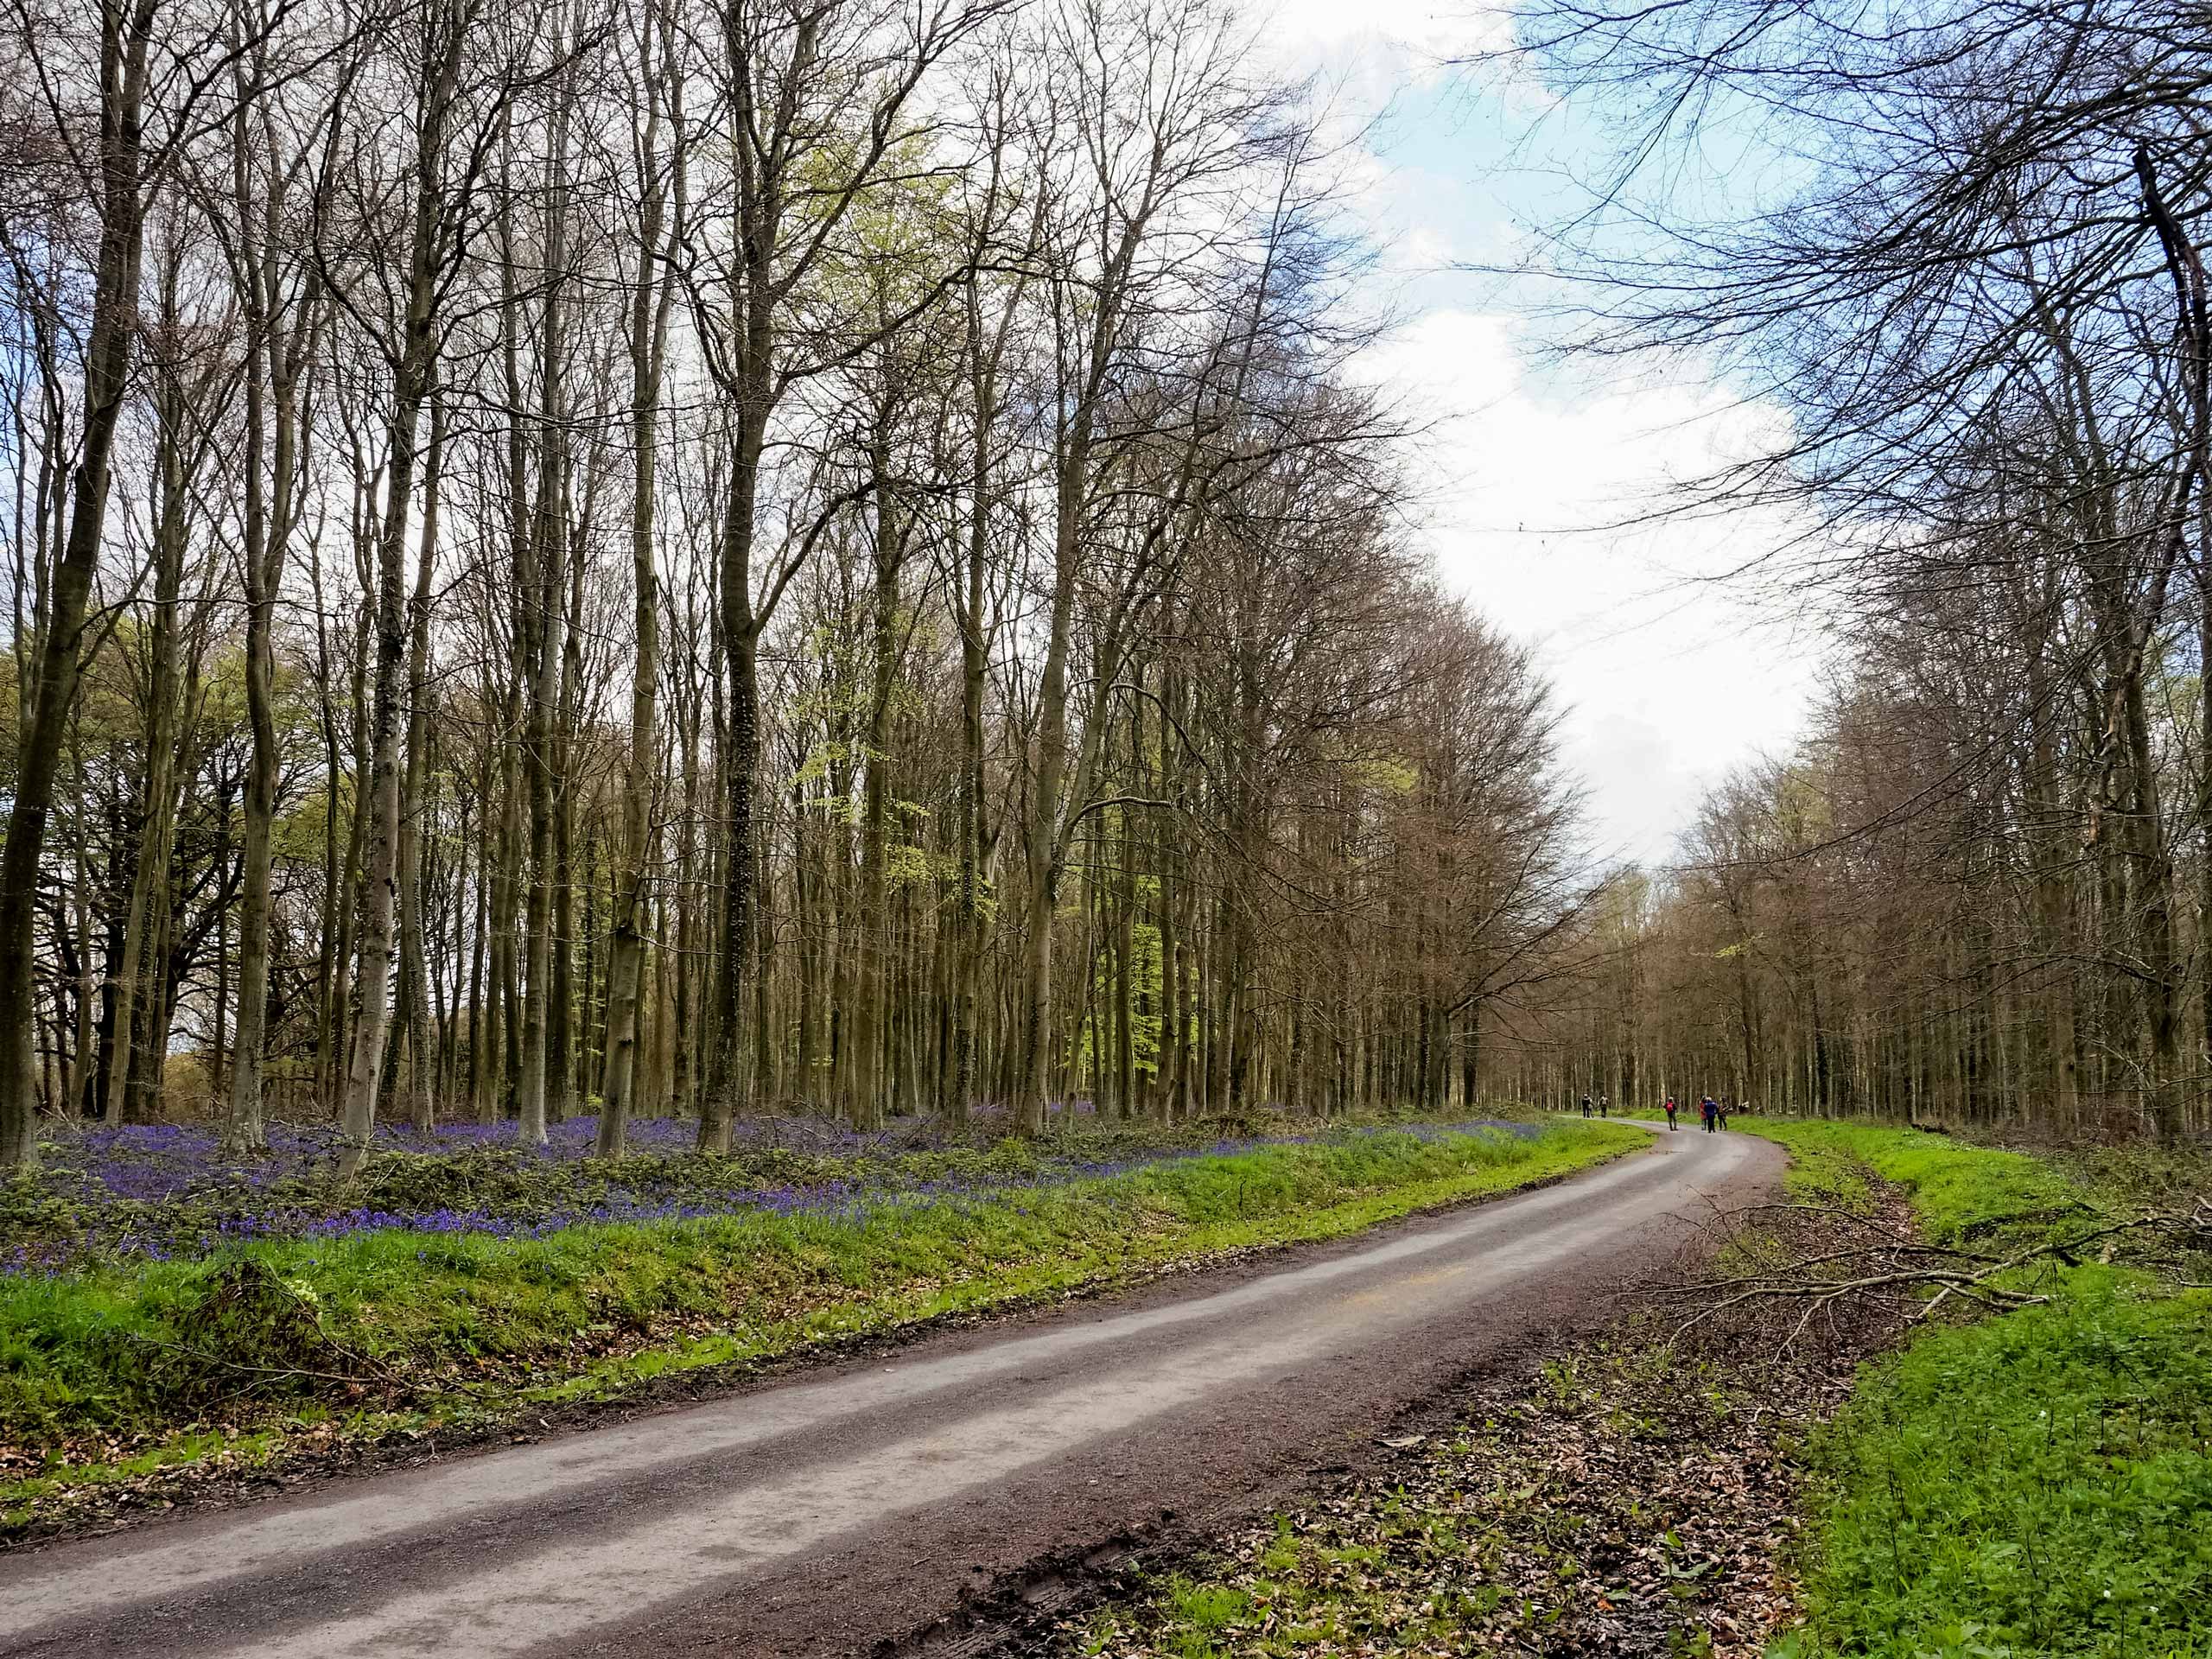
point(157, 819)
point(561, 1043)
point(651, 304)
point(414, 981)
point(124, 37)
point(1046, 839)
point(727, 1070)
point(547, 598)
point(267, 523)
point(865, 1094)
point(414, 368)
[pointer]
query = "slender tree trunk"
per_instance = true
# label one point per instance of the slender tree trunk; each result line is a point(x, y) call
point(414, 368)
point(651, 308)
point(157, 819)
point(650, 312)
point(413, 967)
point(728, 1072)
point(874, 942)
point(126, 33)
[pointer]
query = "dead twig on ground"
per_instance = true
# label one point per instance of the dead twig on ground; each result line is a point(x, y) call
point(1884, 1261)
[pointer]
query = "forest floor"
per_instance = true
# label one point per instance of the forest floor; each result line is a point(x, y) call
point(2035, 1483)
point(176, 1327)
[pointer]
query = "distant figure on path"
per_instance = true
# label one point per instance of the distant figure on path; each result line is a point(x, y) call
point(1670, 1114)
point(1721, 1112)
point(1709, 1109)
point(1604, 1107)
point(1586, 1105)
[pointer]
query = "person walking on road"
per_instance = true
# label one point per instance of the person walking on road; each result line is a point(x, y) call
point(1604, 1107)
point(1709, 1109)
point(1586, 1105)
point(1670, 1114)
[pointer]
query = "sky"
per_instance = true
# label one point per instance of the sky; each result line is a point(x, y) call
point(1668, 676)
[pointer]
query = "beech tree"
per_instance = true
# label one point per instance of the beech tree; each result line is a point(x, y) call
point(799, 557)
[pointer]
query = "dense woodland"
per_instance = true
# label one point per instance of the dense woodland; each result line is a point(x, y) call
point(1982, 888)
point(799, 554)
point(833, 556)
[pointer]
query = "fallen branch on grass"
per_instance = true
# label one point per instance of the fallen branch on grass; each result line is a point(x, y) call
point(1884, 1263)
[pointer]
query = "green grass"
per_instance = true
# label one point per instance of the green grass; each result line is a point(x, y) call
point(113, 1368)
point(2036, 1484)
point(1958, 1190)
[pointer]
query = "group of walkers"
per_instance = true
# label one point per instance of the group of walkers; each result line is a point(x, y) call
point(1714, 1113)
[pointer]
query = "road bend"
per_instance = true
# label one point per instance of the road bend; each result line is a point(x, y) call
point(855, 1504)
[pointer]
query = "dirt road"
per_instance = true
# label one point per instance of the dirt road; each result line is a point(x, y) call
point(826, 1514)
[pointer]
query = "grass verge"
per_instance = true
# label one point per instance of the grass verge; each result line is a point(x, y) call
point(109, 1375)
point(2036, 1483)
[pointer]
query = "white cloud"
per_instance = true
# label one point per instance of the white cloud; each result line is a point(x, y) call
point(1416, 29)
point(1668, 678)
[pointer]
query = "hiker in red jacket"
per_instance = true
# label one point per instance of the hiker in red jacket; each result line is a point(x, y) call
point(1670, 1114)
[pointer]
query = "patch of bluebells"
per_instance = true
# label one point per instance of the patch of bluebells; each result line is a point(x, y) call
point(147, 1162)
point(164, 1192)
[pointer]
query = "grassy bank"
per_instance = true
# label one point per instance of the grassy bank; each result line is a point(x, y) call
point(1957, 1189)
point(2039, 1483)
point(111, 1371)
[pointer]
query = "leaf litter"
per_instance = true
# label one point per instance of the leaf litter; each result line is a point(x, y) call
point(1622, 1495)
